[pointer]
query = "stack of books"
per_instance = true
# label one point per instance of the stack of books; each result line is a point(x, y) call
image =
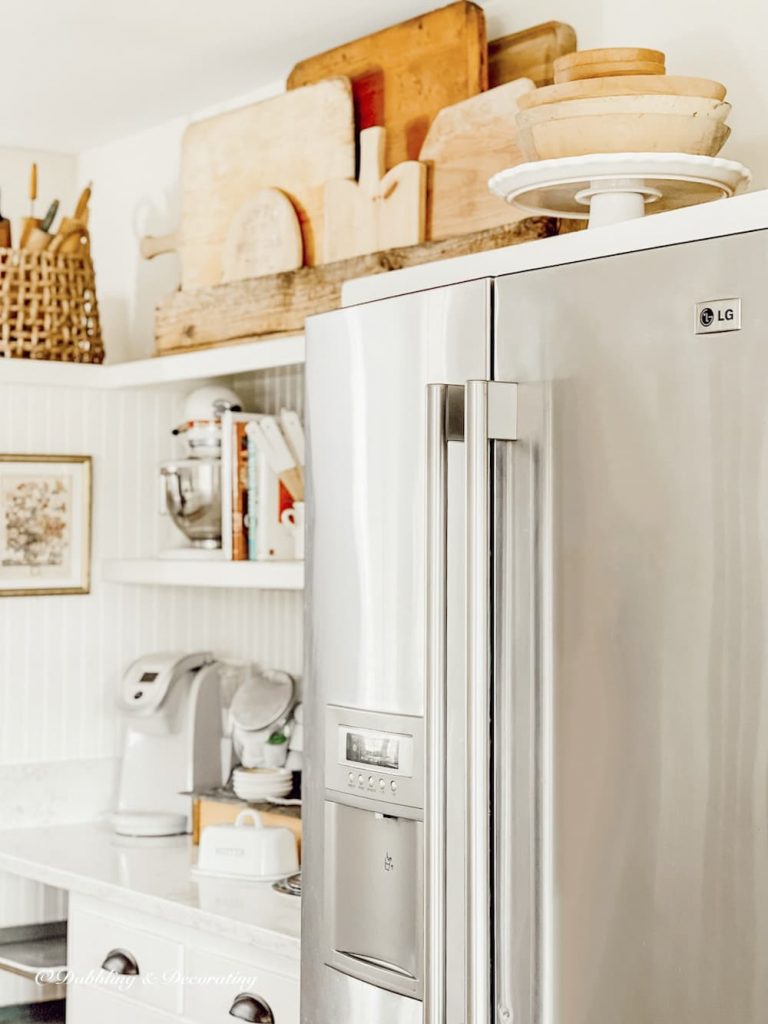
point(262, 473)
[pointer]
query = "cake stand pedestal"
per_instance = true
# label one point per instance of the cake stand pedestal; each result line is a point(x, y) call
point(609, 188)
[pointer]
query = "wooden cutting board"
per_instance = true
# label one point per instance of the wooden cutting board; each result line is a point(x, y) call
point(466, 145)
point(295, 142)
point(403, 75)
point(264, 238)
point(529, 54)
point(379, 211)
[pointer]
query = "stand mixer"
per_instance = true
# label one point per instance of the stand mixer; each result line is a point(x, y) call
point(192, 485)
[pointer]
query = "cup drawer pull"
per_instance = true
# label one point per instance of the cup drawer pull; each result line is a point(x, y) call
point(251, 1008)
point(119, 961)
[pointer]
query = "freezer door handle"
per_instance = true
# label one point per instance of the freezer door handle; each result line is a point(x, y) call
point(445, 422)
point(490, 415)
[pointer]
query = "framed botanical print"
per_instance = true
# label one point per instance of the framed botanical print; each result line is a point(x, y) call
point(45, 524)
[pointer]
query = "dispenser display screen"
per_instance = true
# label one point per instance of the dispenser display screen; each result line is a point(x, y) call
point(149, 677)
point(390, 752)
point(377, 751)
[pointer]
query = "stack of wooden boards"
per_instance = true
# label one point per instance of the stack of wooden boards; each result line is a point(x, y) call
point(425, 108)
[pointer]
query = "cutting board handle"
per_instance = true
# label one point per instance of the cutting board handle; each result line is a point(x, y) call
point(155, 245)
point(373, 178)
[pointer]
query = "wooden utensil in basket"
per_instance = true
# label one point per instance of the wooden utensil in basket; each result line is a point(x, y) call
point(48, 307)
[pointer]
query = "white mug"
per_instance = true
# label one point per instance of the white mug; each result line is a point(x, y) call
point(293, 518)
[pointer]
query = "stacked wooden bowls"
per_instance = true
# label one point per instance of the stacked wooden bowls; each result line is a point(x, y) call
point(621, 101)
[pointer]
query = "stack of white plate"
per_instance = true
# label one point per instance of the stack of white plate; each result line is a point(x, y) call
point(255, 785)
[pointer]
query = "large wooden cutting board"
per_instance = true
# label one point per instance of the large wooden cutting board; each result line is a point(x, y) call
point(403, 75)
point(467, 144)
point(295, 142)
point(529, 54)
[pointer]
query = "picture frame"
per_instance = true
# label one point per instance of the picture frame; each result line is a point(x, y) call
point(45, 525)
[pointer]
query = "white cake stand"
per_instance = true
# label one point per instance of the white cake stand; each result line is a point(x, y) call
point(614, 187)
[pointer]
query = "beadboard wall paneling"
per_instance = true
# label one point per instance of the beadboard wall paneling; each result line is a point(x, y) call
point(273, 390)
point(61, 657)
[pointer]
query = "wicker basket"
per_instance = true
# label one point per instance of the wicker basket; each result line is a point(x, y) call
point(48, 307)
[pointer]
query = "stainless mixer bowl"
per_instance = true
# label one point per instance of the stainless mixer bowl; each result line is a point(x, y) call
point(193, 499)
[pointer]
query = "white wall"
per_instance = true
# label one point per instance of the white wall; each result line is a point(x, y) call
point(136, 179)
point(57, 177)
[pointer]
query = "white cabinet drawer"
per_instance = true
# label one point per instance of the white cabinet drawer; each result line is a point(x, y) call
point(159, 960)
point(93, 1006)
point(213, 982)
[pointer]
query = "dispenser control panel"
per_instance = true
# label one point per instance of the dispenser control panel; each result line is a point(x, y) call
point(375, 756)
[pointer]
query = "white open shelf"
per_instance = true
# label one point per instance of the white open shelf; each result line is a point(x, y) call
point(162, 371)
point(205, 573)
point(227, 361)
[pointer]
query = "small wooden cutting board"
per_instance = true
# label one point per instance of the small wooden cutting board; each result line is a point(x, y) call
point(379, 211)
point(295, 142)
point(529, 54)
point(403, 75)
point(467, 144)
point(264, 238)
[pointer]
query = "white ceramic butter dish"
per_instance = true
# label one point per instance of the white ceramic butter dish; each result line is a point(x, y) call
point(247, 850)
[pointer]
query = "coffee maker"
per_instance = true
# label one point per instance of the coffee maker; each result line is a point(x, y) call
point(171, 709)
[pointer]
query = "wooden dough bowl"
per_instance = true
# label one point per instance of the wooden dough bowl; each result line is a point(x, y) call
point(623, 85)
point(622, 132)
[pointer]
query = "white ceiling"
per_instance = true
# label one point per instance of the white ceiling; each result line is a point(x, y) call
point(78, 73)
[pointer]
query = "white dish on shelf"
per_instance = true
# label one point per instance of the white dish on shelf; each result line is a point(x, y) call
point(260, 798)
point(257, 784)
point(252, 796)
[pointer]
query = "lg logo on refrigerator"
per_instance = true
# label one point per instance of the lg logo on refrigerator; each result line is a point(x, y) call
point(718, 317)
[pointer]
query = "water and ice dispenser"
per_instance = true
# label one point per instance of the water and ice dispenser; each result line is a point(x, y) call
point(374, 839)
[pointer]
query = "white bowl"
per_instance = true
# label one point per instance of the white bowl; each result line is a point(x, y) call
point(258, 795)
point(255, 798)
point(261, 773)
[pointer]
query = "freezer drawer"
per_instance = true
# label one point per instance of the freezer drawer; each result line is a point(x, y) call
point(374, 897)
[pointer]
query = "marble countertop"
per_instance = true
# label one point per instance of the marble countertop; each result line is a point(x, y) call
point(152, 876)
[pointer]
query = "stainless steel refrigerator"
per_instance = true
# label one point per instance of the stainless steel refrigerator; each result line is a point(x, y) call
point(536, 788)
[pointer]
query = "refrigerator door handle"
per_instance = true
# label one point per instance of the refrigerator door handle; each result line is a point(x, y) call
point(445, 422)
point(490, 414)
